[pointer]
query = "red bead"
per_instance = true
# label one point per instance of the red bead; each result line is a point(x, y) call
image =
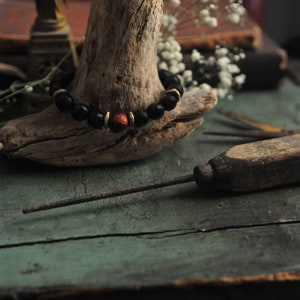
point(118, 122)
point(121, 119)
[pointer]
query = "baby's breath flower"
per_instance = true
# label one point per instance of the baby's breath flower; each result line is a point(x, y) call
point(178, 56)
point(160, 46)
point(205, 86)
point(210, 21)
point(169, 23)
point(221, 51)
point(223, 61)
point(28, 88)
point(181, 67)
point(204, 13)
point(175, 3)
point(195, 56)
point(166, 55)
point(225, 79)
point(234, 18)
point(240, 79)
point(221, 92)
point(235, 11)
point(232, 68)
point(242, 55)
point(162, 65)
point(188, 73)
point(211, 60)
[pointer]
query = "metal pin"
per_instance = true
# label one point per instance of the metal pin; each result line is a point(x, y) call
point(110, 194)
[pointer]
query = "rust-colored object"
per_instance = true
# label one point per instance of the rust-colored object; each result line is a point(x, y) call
point(262, 278)
point(261, 130)
point(251, 122)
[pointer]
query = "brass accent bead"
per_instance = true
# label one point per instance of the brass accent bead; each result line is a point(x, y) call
point(106, 119)
point(59, 91)
point(131, 119)
point(174, 91)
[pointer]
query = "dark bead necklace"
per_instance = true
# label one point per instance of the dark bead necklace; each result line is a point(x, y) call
point(116, 122)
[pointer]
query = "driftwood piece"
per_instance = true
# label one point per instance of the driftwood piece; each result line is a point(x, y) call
point(117, 72)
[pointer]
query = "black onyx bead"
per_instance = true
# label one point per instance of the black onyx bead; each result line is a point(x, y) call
point(169, 101)
point(141, 118)
point(177, 87)
point(64, 101)
point(79, 112)
point(95, 119)
point(167, 78)
point(173, 79)
point(163, 76)
point(155, 111)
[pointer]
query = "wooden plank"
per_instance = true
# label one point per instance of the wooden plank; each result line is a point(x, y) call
point(158, 237)
point(225, 256)
point(175, 208)
point(170, 210)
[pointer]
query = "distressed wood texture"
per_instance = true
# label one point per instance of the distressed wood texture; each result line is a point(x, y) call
point(117, 72)
point(173, 237)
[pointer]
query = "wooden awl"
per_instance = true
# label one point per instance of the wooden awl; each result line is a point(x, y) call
point(242, 168)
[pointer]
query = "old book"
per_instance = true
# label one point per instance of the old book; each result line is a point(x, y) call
point(247, 34)
point(265, 63)
point(266, 66)
point(17, 17)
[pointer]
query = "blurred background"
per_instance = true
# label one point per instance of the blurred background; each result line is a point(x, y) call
point(280, 19)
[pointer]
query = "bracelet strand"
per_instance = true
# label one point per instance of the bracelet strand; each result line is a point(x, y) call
point(119, 121)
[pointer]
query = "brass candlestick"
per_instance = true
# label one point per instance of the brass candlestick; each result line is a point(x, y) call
point(49, 16)
point(50, 40)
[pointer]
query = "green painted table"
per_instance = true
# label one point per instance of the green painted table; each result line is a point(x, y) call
point(161, 241)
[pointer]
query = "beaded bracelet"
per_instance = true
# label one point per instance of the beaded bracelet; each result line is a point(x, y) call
point(119, 121)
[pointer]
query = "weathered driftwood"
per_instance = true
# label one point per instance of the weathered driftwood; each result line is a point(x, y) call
point(117, 72)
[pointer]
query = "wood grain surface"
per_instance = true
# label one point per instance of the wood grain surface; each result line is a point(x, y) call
point(172, 237)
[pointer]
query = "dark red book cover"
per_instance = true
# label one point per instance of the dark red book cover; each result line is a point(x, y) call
point(246, 34)
point(265, 63)
point(17, 17)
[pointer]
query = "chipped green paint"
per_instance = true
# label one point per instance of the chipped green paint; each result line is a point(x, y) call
point(156, 237)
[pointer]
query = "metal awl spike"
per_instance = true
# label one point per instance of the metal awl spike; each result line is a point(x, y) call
point(110, 194)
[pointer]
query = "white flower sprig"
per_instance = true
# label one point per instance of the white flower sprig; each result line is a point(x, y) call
point(8, 96)
point(170, 56)
point(218, 71)
point(235, 11)
point(200, 13)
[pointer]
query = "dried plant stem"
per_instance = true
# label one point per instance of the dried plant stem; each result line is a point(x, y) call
point(21, 87)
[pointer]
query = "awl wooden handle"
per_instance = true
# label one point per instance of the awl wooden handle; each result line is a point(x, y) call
point(253, 166)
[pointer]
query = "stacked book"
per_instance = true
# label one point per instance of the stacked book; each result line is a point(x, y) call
point(265, 63)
